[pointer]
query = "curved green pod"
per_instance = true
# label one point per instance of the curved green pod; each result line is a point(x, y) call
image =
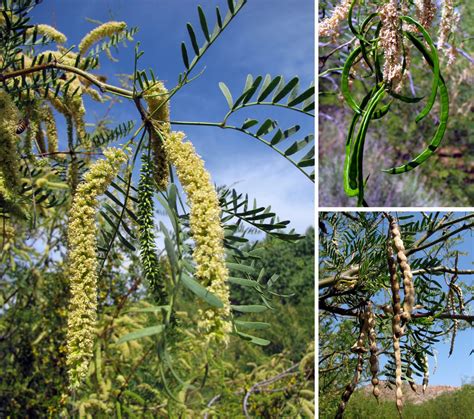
point(439, 134)
point(435, 64)
point(353, 175)
point(345, 80)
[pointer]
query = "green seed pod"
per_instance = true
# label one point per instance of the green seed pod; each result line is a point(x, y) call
point(426, 372)
point(455, 321)
point(149, 259)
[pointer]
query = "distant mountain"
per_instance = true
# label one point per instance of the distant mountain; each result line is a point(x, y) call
point(409, 396)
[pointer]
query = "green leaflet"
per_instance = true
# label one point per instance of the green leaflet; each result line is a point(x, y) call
point(254, 339)
point(256, 308)
point(200, 291)
point(147, 331)
point(439, 134)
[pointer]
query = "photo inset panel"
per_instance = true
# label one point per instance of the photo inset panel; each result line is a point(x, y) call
point(395, 314)
point(395, 104)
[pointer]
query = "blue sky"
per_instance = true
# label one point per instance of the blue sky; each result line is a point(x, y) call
point(268, 36)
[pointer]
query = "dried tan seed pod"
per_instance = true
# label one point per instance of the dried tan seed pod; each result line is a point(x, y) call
point(396, 328)
point(457, 289)
point(426, 373)
point(409, 300)
point(410, 379)
point(359, 346)
point(350, 387)
point(374, 362)
point(455, 321)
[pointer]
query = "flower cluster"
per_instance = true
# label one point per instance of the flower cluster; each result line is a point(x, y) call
point(9, 117)
point(425, 12)
point(206, 231)
point(159, 112)
point(101, 32)
point(50, 32)
point(328, 26)
point(82, 263)
point(51, 130)
point(391, 44)
point(447, 26)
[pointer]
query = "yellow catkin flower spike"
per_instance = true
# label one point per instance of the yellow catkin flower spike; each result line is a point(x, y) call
point(206, 231)
point(101, 32)
point(447, 27)
point(159, 112)
point(50, 32)
point(82, 263)
point(51, 130)
point(9, 159)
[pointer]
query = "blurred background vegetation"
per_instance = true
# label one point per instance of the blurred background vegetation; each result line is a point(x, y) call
point(447, 178)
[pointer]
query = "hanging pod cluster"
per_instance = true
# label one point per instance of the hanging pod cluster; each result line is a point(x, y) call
point(399, 316)
point(368, 335)
point(455, 292)
point(385, 41)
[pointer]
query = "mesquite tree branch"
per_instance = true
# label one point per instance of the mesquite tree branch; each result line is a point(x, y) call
point(443, 238)
point(104, 87)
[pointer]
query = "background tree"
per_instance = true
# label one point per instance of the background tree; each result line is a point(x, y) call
point(360, 295)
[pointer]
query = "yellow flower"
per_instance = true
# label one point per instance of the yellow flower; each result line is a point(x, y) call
point(9, 117)
point(50, 32)
point(159, 112)
point(206, 231)
point(82, 263)
point(101, 32)
point(51, 130)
